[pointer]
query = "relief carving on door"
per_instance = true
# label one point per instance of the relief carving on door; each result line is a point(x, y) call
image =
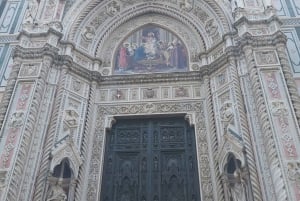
point(153, 168)
point(171, 166)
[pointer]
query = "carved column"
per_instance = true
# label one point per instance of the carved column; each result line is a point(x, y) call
point(81, 186)
point(40, 183)
point(213, 139)
point(257, 196)
point(28, 103)
point(265, 124)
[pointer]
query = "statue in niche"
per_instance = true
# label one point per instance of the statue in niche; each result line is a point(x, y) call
point(238, 191)
point(56, 193)
point(236, 180)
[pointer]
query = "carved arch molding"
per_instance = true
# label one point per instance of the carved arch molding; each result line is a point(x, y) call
point(101, 26)
point(195, 114)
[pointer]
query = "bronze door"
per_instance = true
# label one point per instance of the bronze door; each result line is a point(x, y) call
point(150, 160)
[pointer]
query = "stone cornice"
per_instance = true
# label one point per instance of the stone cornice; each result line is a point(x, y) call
point(290, 22)
point(8, 38)
point(33, 53)
point(152, 78)
point(264, 40)
point(40, 34)
point(265, 21)
point(65, 61)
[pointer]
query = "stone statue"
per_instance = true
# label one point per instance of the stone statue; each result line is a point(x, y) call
point(227, 114)
point(56, 193)
point(238, 187)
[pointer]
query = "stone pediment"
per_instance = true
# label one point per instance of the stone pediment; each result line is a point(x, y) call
point(230, 144)
point(67, 150)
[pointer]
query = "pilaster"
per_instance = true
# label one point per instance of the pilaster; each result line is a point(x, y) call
point(22, 135)
point(244, 129)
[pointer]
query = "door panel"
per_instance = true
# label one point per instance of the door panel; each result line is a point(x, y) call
point(150, 160)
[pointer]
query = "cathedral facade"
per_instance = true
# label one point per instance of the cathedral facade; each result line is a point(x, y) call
point(150, 100)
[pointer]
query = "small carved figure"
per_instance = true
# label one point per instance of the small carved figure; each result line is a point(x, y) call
point(17, 119)
point(77, 85)
point(294, 171)
point(71, 118)
point(186, 5)
point(88, 33)
point(211, 27)
point(112, 8)
point(226, 114)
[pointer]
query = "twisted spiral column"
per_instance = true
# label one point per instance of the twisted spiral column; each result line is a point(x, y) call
point(86, 139)
point(254, 179)
point(40, 184)
point(265, 125)
point(213, 139)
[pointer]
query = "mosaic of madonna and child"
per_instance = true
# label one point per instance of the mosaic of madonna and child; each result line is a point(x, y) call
point(151, 49)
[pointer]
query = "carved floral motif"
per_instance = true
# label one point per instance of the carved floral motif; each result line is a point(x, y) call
point(273, 85)
point(29, 70)
point(266, 58)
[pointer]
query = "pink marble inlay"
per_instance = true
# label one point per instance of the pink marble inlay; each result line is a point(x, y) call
point(297, 191)
point(287, 140)
point(8, 151)
point(24, 95)
point(272, 85)
point(15, 123)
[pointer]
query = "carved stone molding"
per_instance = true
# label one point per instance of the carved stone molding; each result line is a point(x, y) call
point(190, 117)
point(109, 122)
point(67, 150)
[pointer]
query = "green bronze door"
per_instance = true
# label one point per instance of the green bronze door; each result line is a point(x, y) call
point(150, 160)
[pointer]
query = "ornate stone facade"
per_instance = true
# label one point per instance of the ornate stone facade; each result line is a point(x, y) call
point(223, 65)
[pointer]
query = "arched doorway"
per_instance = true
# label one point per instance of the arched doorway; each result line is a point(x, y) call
point(150, 159)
